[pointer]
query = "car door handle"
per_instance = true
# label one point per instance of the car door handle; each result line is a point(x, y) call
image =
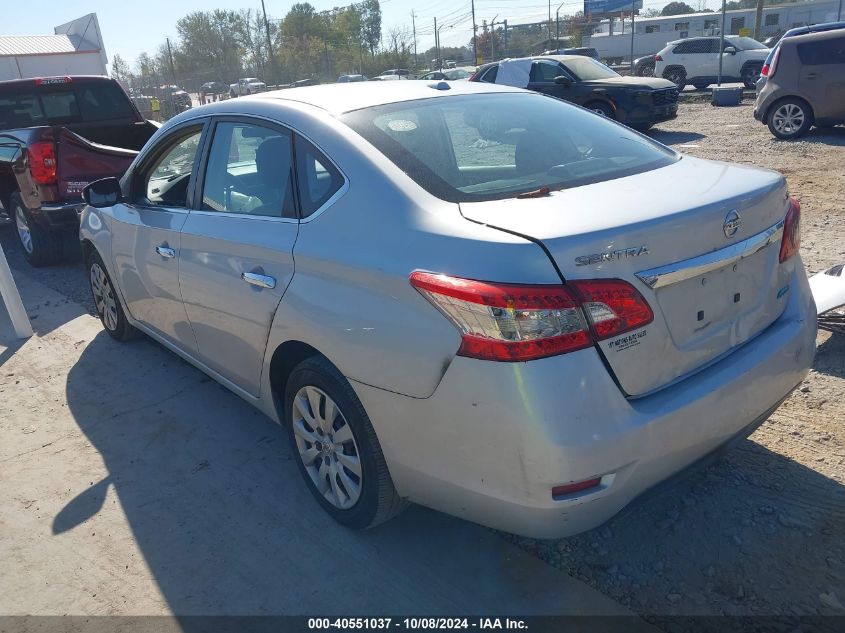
point(166, 251)
point(812, 75)
point(262, 281)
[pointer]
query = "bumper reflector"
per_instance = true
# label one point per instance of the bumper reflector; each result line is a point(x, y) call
point(578, 486)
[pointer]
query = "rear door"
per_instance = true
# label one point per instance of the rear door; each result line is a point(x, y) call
point(146, 234)
point(821, 77)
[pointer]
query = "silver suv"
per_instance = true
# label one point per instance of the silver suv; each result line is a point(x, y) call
point(804, 85)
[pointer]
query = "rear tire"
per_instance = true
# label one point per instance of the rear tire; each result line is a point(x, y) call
point(789, 118)
point(41, 246)
point(701, 86)
point(331, 438)
point(646, 70)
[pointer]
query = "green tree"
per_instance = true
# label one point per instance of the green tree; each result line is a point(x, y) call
point(120, 70)
point(677, 8)
point(370, 24)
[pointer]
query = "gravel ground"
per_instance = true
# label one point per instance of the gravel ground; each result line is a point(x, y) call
point(761, 531)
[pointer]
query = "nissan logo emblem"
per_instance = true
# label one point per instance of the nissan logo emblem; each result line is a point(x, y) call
point(732, 223)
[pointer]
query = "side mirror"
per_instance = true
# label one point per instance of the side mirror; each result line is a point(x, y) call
point(730, 50)
point(103, 193)
point(562, 80)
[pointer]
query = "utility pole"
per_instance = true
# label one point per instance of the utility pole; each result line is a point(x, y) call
point(493, 38)
point(758, 20)
point(170, 57)
point(721, 44)
point(550, 21)
point(270, 53)
point(633, 10)
point(474, 43)
point(436, 47)
point(505, 22)
point(414, 25)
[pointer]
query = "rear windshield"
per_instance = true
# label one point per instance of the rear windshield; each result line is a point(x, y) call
point(63, 104)
point(488, 147)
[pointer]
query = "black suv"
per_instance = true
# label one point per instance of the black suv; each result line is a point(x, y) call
point(638, 102)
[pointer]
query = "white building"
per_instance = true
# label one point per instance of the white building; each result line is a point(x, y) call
point(75, 48)
point(652, 34)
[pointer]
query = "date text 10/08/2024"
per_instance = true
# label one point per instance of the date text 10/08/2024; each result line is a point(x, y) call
point(417, 623)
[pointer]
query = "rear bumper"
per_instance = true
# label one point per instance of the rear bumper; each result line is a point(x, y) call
point(60, 216)
point(495, 438)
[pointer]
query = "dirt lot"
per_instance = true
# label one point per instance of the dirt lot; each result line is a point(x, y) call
point(761, 531)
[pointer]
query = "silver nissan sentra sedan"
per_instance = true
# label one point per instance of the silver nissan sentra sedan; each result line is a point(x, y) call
point(472, 297)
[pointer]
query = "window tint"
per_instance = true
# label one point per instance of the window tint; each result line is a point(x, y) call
point(317, 178)
point(103, 100)
point(249, 171)
point(60, 105)
point(829, 51)
point(545, 72)
point(772, 19)
point(20, 110)
point(496, 146)
point(490, 75)
point(586, 68)
point(165, 182)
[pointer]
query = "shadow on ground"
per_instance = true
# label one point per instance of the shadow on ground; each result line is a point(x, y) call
point(218, 510)
point(675, 138)
point(830, 356)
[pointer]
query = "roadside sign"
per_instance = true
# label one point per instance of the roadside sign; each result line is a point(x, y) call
point(599, 7)
point(744, 32)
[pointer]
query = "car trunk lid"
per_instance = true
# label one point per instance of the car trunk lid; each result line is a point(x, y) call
point(699, 239)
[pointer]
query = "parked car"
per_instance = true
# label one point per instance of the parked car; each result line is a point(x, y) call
point(583, 52)
point(527, 332)
point(644, 66)
point(351, 78)
point(695, 60)
point(57, 134)
point(247, 86)
point(401, 72)
point(799, 30)
point(455, 74)
point(175, 99)
point(804, 84)
point(214, 88)
point(638, 102)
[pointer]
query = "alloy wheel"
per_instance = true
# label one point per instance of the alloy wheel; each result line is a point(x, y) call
point(104, 297)
point(327, 447)
point(24, 231)
point(788, 119)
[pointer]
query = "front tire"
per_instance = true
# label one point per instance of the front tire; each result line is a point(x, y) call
point(601, 108)
point(750, 75)
point(336, 448)
point(677, 75)
point(41, 246)
point(106, 301)
point(790, 118)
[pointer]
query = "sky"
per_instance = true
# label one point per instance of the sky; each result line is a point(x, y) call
point(130, 27)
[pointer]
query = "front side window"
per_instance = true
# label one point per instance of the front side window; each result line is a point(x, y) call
point(488, 147)
point(249, 171)
point(545, 72)
point(165, 182)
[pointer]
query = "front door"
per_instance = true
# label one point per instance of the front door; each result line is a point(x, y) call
point(146, 239)
point(237, 246)
point(542, 79)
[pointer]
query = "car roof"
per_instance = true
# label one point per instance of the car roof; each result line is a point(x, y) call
point(345, 97)
point(812, 36)
point(814, 28)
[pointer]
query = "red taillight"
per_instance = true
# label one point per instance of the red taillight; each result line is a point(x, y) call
point(612, 306)
point(473, 76)
point(658, 58)
point(42, 162)
point(769, 69)
point(511, 322)
point(791, 241)
point(568, 489)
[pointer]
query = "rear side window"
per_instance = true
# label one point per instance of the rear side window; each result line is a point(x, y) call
point(490, 147)
point(317, 178)
point(490, 75)
point(829, 51)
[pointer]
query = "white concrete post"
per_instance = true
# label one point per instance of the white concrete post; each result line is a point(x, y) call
point(12, 299)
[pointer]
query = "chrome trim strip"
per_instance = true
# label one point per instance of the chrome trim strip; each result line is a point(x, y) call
point(687, 269)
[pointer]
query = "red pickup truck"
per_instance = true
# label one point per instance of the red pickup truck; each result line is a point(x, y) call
point(57, 134)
